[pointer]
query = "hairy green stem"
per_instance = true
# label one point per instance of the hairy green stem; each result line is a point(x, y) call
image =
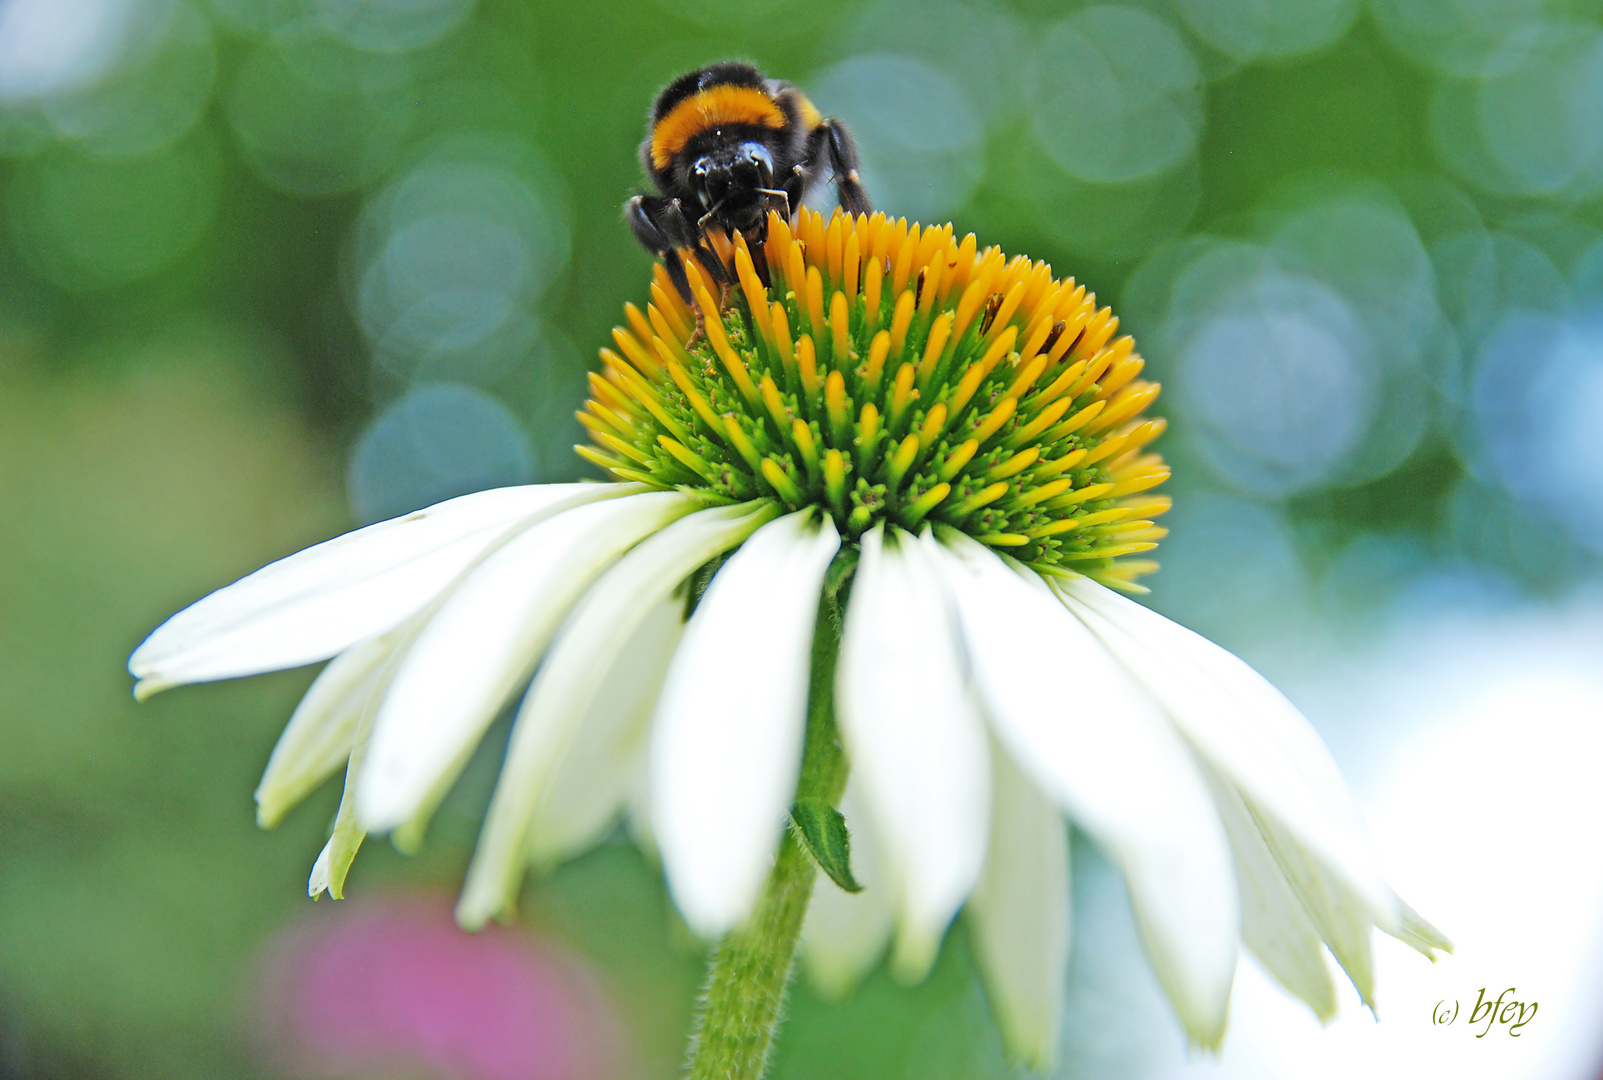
point(751, 968)
point(750, 971)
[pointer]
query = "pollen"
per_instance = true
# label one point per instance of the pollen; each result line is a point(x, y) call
point(892, 372)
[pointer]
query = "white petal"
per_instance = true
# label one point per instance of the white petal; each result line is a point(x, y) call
point(320, 601)
point(726, 746)
point(1019, 914)
point(1345, 922)
point(484, 642)
point(1420, 934)
point(845, 934)
point(334, 862)
point(637, 817)
point(609, 743)
point(1081, 729)
point(320, 734)
point(1274, 923)
point(916, 744)
point(1246, 729)
point(569, 682)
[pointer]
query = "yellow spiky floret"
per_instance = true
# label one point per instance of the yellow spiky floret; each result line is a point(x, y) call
point(892, 372)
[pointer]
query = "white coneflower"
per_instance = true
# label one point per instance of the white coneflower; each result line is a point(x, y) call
point(883, 495)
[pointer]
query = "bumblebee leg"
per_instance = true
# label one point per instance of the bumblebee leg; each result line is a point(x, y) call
point(719, 273)
point(756, 241)
point(794, 187)
point(771, 194)
point(662, 229)
point(711, 263)
point(830, 139)
point(681, 281)
point(658, 223)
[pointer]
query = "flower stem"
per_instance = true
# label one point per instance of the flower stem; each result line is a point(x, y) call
point(751, 968)
point(750, 971)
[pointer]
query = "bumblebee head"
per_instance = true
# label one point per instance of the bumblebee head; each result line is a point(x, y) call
point(730, 182)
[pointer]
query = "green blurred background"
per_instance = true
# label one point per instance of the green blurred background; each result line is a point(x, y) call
point(270, 268)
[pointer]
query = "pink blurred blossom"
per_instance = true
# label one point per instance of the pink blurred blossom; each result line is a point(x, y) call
point(367, 988)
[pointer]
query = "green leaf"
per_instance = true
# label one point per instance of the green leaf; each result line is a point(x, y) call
point(823, 829)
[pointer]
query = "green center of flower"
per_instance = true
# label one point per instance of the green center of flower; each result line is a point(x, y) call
point(894, 374)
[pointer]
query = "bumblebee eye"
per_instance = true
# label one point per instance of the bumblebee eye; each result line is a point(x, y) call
point(755, 160)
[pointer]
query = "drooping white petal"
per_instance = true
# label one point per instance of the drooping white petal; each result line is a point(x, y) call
point(916, 743)
point(484, 642)
point(320, 601)
point(1419, 934)
point(845, 934)
point(726, 745)
point(334, 861)
point(1247, 730)
point(570, 680)
point(1077, 725)
point(1344, 921)
point(637, 814)
point(363, 701)
point(322, 730)
point(1275, 925)
point(609, 743)
point(1019, 915)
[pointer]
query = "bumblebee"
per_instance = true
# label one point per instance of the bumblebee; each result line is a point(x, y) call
point(725, 145)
